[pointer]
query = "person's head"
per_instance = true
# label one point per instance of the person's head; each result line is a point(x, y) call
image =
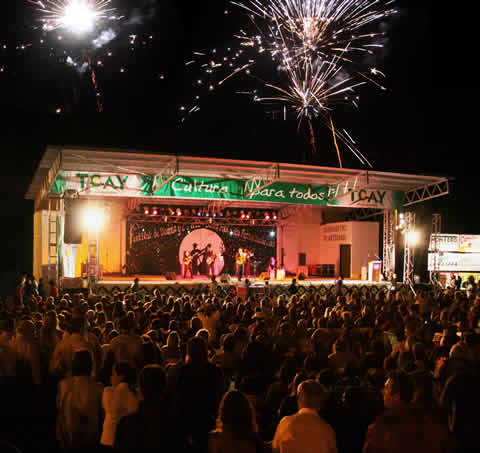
point(398, 389)
point(228, 342)
point(236, 416)
point(124, 372)
point(173, 340)
point(197, 350)
point(82, 363)
point(203, 333)
point(340, 345)
point(311, 395)
point(152, 383)
point(27, 329)
point(297, 380)
point(126, 324)
point(326, 377)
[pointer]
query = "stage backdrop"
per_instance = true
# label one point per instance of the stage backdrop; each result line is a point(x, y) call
point(157, 248)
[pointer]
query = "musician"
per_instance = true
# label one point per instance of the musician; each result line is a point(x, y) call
point(196, 253)
point(187, 264)
point(240, 258)
point(248, 255)
point(210, 258)
point(272, 267)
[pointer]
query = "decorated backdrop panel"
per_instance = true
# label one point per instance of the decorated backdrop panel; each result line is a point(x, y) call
point(157, 248)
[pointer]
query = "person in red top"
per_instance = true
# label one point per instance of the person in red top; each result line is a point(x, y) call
point(54, 289)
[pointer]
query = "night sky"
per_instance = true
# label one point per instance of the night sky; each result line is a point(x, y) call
point(416, 125)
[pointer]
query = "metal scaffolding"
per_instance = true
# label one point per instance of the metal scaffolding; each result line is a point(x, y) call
point(389, 242)
point(409, 255)
point(436, 230)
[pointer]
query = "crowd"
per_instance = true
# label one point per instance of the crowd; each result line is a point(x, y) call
point(391, 372)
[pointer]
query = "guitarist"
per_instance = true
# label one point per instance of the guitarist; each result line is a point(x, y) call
point(247, 268)
point(240, 258)
point(196, 253)
point(210, 258)
point(187, 264)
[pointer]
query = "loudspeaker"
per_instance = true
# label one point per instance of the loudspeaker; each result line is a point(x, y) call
point(73, 221)
point(171, 276)
point(302, 259)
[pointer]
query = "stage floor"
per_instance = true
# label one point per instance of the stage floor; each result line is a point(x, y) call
point(158, 280)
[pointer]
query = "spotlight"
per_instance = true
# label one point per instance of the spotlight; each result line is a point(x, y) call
point(267, 216)
point(199, 213)
point(249, 214)
point(230, 233)
point(179, 212)
point(272, 233)
point(155, 211)
point(242, 214)
point(146, 211)
point(274, 216)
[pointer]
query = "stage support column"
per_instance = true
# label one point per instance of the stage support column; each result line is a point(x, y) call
point(388, 241)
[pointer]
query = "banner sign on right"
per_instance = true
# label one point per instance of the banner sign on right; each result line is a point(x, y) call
point(454, 262)
point(464, 243)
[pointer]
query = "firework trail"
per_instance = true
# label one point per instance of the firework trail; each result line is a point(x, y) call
point(318, 48)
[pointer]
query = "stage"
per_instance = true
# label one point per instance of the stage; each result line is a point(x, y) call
point(109, 285)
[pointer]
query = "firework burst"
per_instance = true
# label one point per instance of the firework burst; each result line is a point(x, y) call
point(76, 16)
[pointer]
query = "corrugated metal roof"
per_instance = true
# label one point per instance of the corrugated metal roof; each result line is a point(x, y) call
point(137, 162)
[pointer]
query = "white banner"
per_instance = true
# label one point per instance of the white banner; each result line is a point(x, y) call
point(454, 262)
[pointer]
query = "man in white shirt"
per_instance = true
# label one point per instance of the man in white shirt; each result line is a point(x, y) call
point(306, 431)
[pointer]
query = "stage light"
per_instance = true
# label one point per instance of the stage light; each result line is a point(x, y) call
point(93, 219)
point(413, 237)
point(171, 211)
point(267, 216)
point(199, 213)
point(272, 233)
point(274, 216)
point(155, 211)
point(179, 212)
point(230, 233)
point(242, 214)
point(146, 211)
point(249, 214)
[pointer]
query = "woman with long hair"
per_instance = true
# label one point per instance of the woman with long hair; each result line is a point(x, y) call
point(237, 429)
point(118, 400)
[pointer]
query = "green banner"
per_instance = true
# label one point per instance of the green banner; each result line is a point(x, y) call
point(224, 189)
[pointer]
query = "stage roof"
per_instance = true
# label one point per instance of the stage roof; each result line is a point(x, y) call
point(101, 160)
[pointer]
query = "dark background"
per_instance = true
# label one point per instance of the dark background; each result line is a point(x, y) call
point(417, 125)
point(160, 255)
